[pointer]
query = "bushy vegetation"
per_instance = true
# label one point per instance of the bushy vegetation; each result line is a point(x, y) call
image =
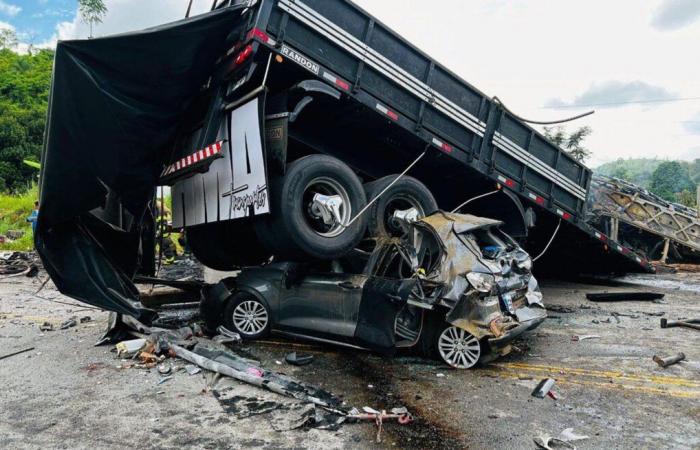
point(24, 93)
point(675, 181)
point(14, 210)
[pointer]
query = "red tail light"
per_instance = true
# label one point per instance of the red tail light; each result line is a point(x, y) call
point(243, 55)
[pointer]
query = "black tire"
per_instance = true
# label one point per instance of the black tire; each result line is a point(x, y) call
point(428, 345)
point(238, 302)
point(291, 232)
point(226, 245)
point(406, 193)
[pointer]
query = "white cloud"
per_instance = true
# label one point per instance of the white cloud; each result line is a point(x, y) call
point(529, 51)
point(675, 14)
point(614, 94)
point(9, 9)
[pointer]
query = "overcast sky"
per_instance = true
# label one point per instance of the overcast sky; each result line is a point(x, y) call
point(545, 59)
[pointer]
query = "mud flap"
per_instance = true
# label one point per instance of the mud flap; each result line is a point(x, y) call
point(382, 300)
point(235, 186)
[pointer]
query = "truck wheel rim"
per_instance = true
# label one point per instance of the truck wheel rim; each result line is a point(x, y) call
point(399, 203)
point(250, 317)
point(330, 187)
point(458, 348)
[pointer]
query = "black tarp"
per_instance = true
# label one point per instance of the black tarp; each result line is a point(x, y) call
point(113, 113)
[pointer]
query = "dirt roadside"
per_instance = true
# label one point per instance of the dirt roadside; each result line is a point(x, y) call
point(66, 393)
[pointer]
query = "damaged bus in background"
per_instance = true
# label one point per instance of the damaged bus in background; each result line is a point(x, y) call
point(300, 134)
point(453, 286)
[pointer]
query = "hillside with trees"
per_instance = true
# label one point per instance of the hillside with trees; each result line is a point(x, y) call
point(675, 181)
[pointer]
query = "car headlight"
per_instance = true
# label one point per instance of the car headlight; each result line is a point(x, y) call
point(525, 264)
point(482, 282)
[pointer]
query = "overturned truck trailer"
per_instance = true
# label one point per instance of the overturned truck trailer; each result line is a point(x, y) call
point(282, 127)
point(659, 229)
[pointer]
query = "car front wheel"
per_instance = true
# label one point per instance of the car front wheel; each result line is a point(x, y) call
point(248, 316)
point(458, 348)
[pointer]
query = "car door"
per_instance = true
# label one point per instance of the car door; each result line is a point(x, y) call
point(324, 305)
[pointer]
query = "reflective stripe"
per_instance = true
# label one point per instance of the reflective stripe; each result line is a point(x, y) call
point(199, 155)
point(538, 165)
point(377, 61)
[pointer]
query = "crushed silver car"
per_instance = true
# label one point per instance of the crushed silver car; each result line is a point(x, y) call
point(454, 287)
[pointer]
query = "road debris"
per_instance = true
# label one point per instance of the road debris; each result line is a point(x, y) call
point(624, 296)
point(687, 323)
point(164, 369)
point(578, 338)
point(543, 388)
point(28, 349)
point(127, 349)
point(69, 323)
point(401, 415)
point(191, 369)
point(564, 440)
point(46, 326)
point(299, 359)
point(669, 360)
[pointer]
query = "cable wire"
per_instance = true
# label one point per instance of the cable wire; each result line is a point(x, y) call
point(556, 230)
point(478, 197)
point(537, 122)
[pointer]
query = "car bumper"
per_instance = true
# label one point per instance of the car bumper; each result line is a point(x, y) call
point(530, 318)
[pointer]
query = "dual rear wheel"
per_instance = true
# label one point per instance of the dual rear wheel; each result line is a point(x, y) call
point(315, 208)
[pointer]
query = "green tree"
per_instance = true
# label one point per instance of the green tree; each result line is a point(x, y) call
point(571, 143)
point(24, 93)
point(8, 39)
point(670, 179)
point(622, 173)
point(92, 12)
point(687, 198)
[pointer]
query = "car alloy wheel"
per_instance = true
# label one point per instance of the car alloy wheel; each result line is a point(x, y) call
point(250, 317)
point(459, 348)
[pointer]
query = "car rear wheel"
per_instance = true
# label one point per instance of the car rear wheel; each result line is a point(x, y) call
point(248, 316)
point(312, 206)
point(406, 196)
point(458, 348)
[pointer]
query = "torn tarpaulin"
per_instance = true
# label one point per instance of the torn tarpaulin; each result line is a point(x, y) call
point(114, 109)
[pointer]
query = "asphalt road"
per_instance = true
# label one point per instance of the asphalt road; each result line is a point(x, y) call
point(66, 393)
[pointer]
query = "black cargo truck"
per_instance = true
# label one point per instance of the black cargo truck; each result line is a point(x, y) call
point(322, 89)
point(289, 128)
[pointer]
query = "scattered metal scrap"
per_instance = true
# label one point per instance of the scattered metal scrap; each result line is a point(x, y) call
point(29, 349)
point(319, 408)
point(687, 323)
point(669, 360)
point(624, 296)
point(19, 263)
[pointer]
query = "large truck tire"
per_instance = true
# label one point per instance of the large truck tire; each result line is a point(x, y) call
point(226, 245)
point(405, 194)
point(295, 230)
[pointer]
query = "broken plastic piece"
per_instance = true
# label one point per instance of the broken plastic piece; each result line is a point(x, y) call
point(46, 326)
point(543, 387)
point(297, 359)
point(564, 440)
point(191, 369)
point(127, 349)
